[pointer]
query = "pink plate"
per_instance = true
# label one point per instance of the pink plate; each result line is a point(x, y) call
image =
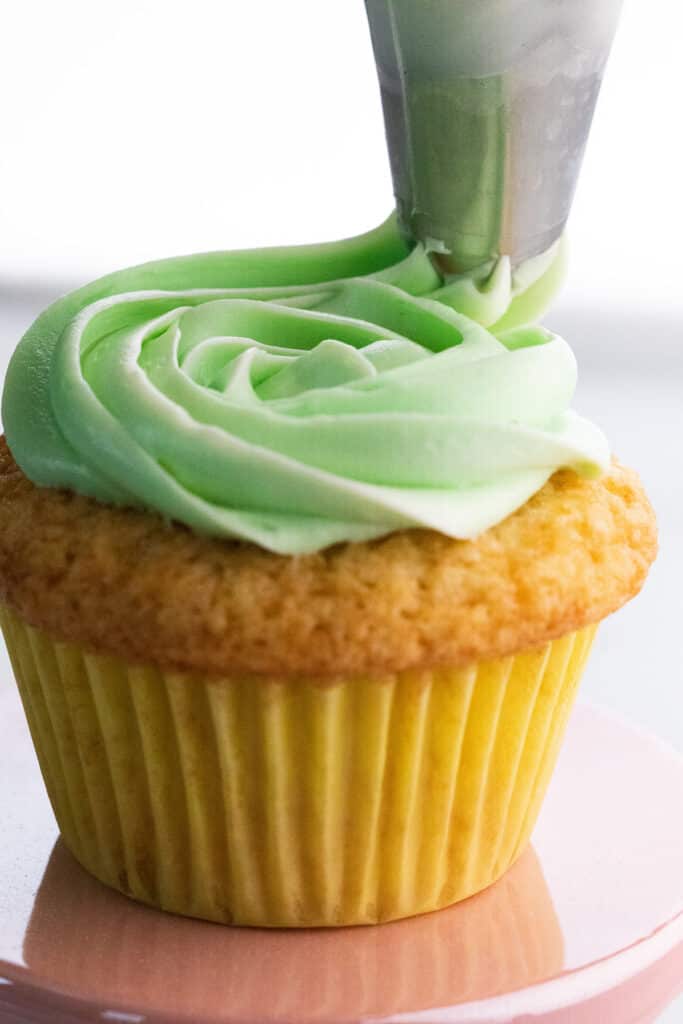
point(587, 927)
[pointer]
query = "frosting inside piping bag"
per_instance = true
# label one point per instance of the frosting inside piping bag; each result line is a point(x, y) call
point(301, 397)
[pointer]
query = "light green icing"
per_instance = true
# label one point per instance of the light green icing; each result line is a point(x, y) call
point(305, 396)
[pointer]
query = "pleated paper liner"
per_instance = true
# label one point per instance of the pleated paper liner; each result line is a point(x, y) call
point(507, 938)
point(289, 804)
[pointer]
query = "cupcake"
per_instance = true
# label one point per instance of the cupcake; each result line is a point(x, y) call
point(302, 553)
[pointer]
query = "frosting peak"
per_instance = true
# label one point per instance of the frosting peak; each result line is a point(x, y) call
point(313, 396)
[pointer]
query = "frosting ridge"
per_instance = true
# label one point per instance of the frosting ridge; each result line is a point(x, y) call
point(301, 397)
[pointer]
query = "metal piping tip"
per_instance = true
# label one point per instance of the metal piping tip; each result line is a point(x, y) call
point(488, 106)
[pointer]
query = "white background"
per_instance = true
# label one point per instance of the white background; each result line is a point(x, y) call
point(151, 127)
point(147, 127)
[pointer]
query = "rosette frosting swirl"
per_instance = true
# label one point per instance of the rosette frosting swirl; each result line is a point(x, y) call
point(301, 397)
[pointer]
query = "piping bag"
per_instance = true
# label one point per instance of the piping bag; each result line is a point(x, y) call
point(488, 106)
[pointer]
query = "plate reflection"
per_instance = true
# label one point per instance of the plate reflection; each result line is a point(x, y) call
point(90, 941)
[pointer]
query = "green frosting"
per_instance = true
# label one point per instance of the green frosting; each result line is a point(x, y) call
point(305, 396)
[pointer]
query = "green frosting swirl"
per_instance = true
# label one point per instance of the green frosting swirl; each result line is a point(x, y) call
point(300, 397)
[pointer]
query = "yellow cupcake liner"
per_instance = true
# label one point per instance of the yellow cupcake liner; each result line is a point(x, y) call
point(287, 803)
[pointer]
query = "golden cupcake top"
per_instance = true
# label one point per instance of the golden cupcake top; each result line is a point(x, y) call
point(132, 584)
